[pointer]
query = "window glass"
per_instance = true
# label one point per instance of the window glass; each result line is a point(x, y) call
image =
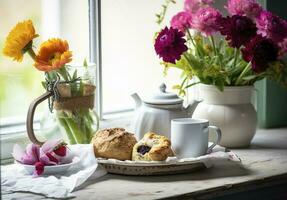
point(20, 83)
point(129, 60)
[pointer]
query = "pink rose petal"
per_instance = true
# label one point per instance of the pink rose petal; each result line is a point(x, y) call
point(18, 153)
point(44, 158)
point(32, 152)
point(50, 145)
point(39, 169)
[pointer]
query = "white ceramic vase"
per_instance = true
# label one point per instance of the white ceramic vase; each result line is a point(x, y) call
point(231, 111)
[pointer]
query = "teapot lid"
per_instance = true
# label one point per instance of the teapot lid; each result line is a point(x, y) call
point(163, 98)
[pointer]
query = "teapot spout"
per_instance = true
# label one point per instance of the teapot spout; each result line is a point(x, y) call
point(137, 99)
point(192, 106)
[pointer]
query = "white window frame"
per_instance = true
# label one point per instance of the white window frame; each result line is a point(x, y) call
point(95, 49)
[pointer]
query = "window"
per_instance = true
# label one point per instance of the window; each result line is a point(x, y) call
point(128, 60)
point(121, 44)
point(20, 83)
point(67, 19)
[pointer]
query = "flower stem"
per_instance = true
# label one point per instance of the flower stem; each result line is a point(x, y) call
point(246, 69)
point(185, 56)
point(67, 130)
point(190, 37)
point(63, 72)
point(216, 53)
point(31, 53)
point(235, 57)
point(213, 45)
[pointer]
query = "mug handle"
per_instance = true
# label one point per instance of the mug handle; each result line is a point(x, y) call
point(30, 117)
point(218, 132)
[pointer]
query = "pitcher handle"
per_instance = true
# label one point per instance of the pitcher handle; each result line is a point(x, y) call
point(30, 117)
point(218, 132)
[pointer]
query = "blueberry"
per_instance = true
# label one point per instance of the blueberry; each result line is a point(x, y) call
point(143, 149)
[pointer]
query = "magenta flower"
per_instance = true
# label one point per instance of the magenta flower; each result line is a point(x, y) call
point(238, 30)
point(193, 5)
point(260, 52)
point(39, 169)
point(52, 152)
point(170, 44)
point(29, 156)
point(271, 26)
point(181, 21)
point(206, 20)
point(249, 8)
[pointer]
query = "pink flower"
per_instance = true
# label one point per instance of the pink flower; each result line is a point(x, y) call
point(271, 26)
point(39, 169)
point(193, 5)
point(181, 21)
point(260, 52)
point(29, 157)
point(52, 152)
point(48, 156)
point(249, 8)
point(238, 30)
point(170, 44)
point(206, 20)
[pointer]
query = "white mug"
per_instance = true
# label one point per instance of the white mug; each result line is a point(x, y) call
point(189, 137)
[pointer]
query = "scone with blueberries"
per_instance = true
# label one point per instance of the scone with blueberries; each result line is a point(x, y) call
point(152, 147)
point(114, 143)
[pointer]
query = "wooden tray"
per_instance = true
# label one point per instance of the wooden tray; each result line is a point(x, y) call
point(150, 168)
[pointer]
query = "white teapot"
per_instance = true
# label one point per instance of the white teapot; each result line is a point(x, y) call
point(155, 113)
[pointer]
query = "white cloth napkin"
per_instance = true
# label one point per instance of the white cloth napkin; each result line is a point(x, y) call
point(14, 178)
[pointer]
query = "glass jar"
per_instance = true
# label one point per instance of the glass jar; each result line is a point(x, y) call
point(71, 96)
point(74, 107)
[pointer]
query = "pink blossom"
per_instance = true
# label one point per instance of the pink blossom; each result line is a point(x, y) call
point(53, 152)
point(271, 26)
point(206, 20)
point(193, 5)
point(39, 169)
point(249, 8)
point(181, 21)
point(29, 157)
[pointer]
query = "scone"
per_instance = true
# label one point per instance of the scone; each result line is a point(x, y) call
point(152, 147)
point(114, 143)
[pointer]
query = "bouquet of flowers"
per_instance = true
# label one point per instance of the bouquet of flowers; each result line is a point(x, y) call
point(72, 96)
point(235, 50)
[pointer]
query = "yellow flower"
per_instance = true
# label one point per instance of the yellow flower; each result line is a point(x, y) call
point(19, 40)
point(53, 54)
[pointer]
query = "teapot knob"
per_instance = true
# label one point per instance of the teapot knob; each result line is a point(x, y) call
point(162, 87)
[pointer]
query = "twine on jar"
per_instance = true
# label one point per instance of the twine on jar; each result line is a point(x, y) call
point(52, 86)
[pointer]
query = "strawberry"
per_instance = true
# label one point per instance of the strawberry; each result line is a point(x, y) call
point(61, 150)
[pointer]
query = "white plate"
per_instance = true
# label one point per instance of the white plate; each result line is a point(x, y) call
point(51, 170)
point(144, 168)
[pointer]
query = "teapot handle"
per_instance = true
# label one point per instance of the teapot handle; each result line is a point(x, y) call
point(30, 117)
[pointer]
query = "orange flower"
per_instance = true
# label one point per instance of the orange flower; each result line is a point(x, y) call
point(20, 40)
point(53, 54)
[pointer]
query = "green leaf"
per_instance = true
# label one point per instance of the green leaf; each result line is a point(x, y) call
point(75, 75)
point(85, 63)
point(43, 83)
point(249, 78)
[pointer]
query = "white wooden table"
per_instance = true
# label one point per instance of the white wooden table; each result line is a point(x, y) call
point(264, 166)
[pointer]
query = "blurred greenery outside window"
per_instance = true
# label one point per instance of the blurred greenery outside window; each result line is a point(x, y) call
point(20, 83)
